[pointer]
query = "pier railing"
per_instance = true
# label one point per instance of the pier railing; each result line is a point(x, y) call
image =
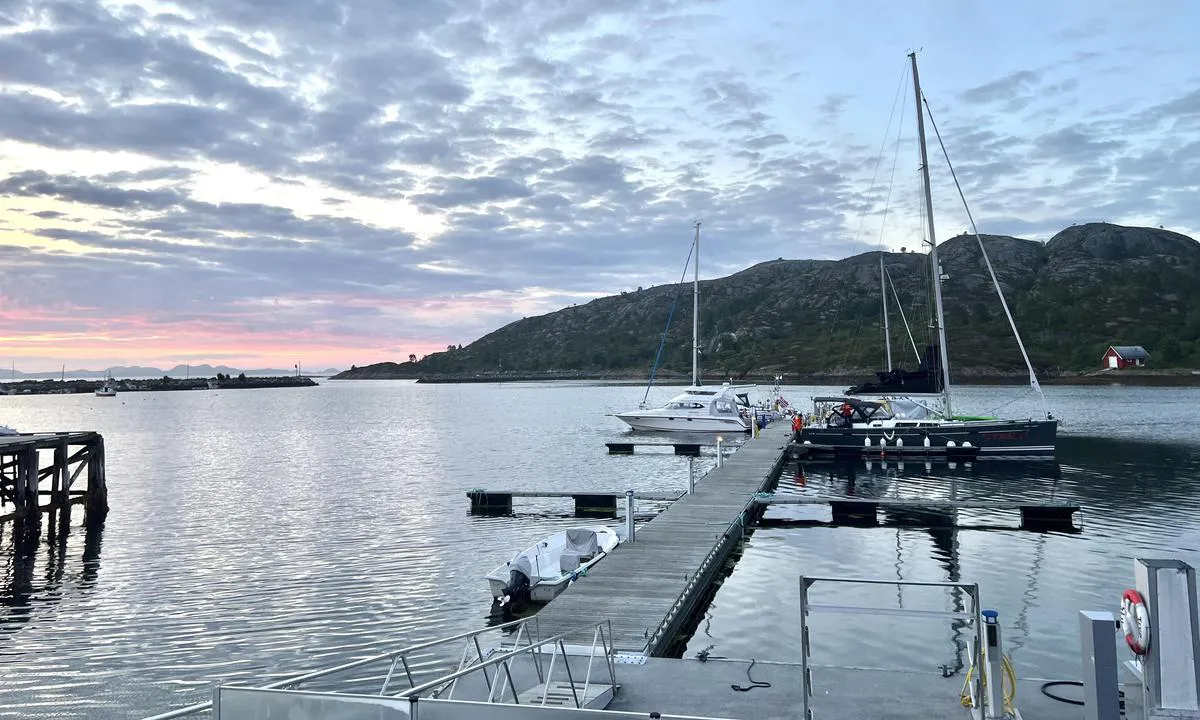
point(522, 630)
point(521, 657)
point(971, 617)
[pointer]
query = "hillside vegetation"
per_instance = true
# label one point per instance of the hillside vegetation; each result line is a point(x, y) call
point(1086, 288)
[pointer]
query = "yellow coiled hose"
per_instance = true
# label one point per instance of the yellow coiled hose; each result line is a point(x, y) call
point(1010, 693)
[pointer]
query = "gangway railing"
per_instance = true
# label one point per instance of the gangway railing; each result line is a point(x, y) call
point(601, 640)
point(522, 630)
point(972, 618)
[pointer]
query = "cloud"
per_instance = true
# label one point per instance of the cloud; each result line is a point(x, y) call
point(373, 175)
point(1012, 89)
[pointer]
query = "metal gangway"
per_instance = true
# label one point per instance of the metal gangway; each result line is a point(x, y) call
point(521, 671)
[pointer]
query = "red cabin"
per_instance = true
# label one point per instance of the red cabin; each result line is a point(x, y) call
point(1123, 356)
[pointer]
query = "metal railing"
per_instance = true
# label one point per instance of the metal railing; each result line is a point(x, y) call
point(973, 618)
point(520, 628)
point(601, 636)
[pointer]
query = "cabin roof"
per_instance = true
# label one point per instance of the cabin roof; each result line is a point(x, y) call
point(1129, 352)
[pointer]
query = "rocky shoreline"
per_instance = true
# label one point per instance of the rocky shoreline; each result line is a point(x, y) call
point(1136, 377)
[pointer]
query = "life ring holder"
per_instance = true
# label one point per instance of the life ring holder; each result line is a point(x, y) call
point(1135, 621)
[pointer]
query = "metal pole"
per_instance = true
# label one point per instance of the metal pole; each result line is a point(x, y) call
point(943, 351)
point(887, 331)
point(691, 476)
point(696, 312)
point(629, 516)
point(720, 457)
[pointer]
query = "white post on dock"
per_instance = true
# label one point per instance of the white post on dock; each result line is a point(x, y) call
point(719, 456)
point(993, 665)
point(629, 516)
point(691, 476)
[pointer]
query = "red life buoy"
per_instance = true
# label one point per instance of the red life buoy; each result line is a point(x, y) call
point(847, 410)
point(1136, 622)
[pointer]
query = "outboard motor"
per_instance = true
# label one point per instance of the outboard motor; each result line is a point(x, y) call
point(517, 590)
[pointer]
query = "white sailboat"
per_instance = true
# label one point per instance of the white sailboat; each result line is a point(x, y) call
point(699, 408)
point(895, 423)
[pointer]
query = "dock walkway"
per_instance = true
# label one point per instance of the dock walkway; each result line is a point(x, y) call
point(648, 588)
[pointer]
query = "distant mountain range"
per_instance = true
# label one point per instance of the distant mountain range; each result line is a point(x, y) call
point(179, 371)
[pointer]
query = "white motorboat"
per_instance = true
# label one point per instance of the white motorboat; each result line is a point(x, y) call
point(108, 389)
point(700, 408)
point(542, 571)
point(704, 408)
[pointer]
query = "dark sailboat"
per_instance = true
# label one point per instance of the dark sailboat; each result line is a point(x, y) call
point(900, 417)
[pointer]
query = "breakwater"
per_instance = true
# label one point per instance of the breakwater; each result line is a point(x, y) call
point(68, 387)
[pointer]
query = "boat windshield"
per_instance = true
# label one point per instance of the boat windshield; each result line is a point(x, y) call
point(685, 405)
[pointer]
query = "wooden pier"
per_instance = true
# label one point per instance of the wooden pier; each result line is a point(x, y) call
point(29, 459)
point(649, 588)
point(865, 511)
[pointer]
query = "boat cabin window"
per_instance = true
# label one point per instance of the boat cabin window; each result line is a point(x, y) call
point(724, 406)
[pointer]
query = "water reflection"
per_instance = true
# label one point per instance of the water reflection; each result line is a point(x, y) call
point(21, 543)
point(1138, 499)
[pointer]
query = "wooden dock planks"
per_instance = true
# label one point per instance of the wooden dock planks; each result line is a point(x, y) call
point(647, 588)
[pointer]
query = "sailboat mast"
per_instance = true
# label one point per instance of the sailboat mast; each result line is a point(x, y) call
point(696, 313)
point(887, 331)
point(933, 256)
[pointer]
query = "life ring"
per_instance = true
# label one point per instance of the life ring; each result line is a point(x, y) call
point(1136, 622)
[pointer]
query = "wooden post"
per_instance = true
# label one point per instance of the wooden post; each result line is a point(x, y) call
point(97, 490)
point(58, 479)
point(18, 486)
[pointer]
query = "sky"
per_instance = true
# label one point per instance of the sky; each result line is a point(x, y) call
point(334, 183)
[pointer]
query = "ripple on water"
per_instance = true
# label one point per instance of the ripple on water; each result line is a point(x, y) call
point(262, 534)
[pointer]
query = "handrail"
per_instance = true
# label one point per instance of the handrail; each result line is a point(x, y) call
point(495, 660)
point(972, 618)
point(391, 655)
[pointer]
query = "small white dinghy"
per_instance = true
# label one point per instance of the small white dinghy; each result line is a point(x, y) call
point(540, 572)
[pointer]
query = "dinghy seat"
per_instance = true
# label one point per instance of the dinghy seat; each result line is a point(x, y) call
point(581, 543)
point(568, 562)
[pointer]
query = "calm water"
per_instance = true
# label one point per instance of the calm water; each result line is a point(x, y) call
point(267, 532)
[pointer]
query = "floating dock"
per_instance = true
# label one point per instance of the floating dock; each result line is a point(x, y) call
point(854, 510)
point(28, 460)
point(648, 588)
point(591, 503)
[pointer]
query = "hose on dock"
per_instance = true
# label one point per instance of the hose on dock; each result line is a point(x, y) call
point(1072, 701)
point(1010, 695)
point(753, 683)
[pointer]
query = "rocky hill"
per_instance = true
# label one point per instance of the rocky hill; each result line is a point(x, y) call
point(1086, 288)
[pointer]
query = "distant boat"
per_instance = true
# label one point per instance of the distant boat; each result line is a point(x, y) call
point(541, 572)
point(108, 389)
point(6, 430)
